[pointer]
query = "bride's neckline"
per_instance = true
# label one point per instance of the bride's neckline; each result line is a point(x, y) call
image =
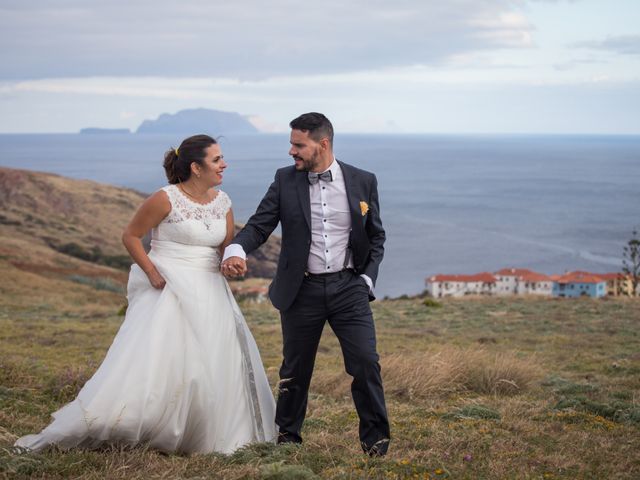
point(186, 197)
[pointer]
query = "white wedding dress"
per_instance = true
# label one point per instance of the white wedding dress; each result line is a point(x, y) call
point(183, 373)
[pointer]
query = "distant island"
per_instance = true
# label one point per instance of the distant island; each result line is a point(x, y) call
point(103, 131)
point(199, 120)
point(187, 122)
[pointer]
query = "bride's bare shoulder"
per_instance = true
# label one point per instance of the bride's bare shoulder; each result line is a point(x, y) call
point(158, 202)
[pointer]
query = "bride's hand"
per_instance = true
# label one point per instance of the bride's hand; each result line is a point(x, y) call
point(234, 267)
point(156, 280)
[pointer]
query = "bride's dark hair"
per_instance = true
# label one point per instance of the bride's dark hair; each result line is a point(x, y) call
point(177, 161)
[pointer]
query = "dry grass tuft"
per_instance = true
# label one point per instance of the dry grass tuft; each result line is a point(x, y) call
point(443, 373)
point(6, 436)
point(499, 373)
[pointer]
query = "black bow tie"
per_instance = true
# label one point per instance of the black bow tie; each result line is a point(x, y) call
point(314, 177)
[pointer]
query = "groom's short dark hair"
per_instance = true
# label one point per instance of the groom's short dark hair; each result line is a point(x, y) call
point(316, 124)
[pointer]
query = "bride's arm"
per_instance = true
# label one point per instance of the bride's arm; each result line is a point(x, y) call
point(230, 231)
point(149, 215)
point(236, 271)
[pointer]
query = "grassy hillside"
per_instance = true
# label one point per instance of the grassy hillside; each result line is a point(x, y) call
point(50, 222)
point(478, 388)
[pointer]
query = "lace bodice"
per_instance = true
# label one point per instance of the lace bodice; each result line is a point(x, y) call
point(192, 223)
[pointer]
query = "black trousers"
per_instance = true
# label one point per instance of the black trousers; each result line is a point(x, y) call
point(340, 298)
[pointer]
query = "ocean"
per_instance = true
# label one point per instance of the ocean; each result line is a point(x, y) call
point(449, 203)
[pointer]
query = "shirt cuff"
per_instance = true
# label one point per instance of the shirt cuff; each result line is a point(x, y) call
point(369, 282)
point(234, 250)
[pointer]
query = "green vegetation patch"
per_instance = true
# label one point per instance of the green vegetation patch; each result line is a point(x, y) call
point(282, 471)
point(93, 254)
point(562, 386)
point(616, 411)
point(99, 283)
point(431, 303)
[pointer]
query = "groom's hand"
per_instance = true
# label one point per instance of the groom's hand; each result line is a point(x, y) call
point(234, 267)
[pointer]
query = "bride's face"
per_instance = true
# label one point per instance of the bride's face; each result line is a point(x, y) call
point(212, 166)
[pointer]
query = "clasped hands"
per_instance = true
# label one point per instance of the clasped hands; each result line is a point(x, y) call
point(233, 267)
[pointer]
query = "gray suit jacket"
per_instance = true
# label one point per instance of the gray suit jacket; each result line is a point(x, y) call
point(287, 201)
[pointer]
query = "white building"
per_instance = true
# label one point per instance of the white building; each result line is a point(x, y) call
point(460, 285)
point(520, 281)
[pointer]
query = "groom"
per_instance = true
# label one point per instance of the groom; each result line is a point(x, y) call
point(332, 246)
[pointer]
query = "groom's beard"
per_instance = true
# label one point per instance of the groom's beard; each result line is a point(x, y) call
point(308, 164)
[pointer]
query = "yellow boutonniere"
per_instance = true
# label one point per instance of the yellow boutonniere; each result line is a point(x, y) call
point(364, 208)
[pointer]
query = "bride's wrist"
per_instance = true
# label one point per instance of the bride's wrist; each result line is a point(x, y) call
point(148, 268)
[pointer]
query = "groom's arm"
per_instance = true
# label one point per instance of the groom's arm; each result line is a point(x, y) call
point(375, 233)
point(264, 221)
point(259, 226)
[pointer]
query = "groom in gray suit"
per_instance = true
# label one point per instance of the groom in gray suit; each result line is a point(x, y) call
point(332, 246)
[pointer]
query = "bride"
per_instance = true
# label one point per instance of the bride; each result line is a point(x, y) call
point(183, 373)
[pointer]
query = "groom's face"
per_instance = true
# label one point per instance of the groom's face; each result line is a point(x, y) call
point(305, 151)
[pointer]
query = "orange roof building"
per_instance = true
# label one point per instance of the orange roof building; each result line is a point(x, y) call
point(579, 284)
point(618, 284)
point(521, 281)
point(517, 281)
point(459, 285)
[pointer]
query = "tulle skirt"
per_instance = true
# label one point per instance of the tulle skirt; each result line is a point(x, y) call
point(183, 373)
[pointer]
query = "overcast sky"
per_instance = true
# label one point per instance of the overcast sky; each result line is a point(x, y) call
point(454, 66)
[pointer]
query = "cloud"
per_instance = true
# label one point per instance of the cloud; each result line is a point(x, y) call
point(622, 44)
point(575, 63)
point(182, 88)
point(247, 39)
point(473, 69)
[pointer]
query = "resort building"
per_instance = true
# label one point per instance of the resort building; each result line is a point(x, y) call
point(618, 284)
point(579, 284)
point(520, 281)
point(460, 285)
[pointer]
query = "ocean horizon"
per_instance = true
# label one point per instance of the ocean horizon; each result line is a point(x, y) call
point(449, 203)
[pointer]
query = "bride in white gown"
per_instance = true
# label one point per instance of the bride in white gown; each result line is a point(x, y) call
point(183, 373)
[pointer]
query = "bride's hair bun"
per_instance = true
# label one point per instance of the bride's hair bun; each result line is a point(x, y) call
point(177, 161)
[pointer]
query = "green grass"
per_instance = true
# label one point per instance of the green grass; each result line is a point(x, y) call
point(476, 388)
point(99, 283)
point(95, 254)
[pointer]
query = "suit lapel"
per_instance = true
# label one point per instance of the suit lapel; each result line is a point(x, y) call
point(303, 195)
point(352, 194)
